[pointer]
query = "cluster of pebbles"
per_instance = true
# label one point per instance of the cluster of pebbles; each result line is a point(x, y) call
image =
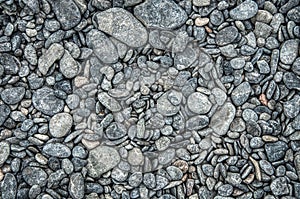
point(162, 99)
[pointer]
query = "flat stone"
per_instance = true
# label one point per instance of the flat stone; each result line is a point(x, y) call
point(165, 14)
point(102, 46)
point(68, 66)
point(262, 30)
point(57, 150)
point(149, 180)
point(244, 11)
point(222, 119)
point(165, 107)
point(174, 172)
point(198, 103)
point(279, 186)
point(4, 113)
point(67, 13)
point(289, 51)
point(54, 53)
point(76, 186)
point(9, 186)
point(241, 93)
point(135, 179)
point(46, 101)
point(60, 124)
point(276, 151)
point(292, 107)
point(102, 159)
point(4, 152)
point(226, 35)
point(122, 25)
point(34, 176)
point(13, 95)
point(109, 102)
point(220, 96)
point(201, 3)
point(225, 190)
point(197, 122)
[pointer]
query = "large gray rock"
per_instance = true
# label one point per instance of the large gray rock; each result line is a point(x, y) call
point(102, 46)
point(102, 159)
point(222, 119)
point(54, 53)
point(164, 14)
point(122, 25)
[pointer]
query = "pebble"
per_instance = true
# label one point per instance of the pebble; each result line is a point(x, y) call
point(122, 25)
point(199, 103)
point(4, 152)
point(13, 95)
point(4, 113)
point(45, 100)
point(279, 186)
point(34, 176)
point(241, 93)
point(60, 125)
point(164, 105)
point(8, 186)
point(57, 150)
point(226, 35)
point(68, 66)
point(54, 53)
point(222, 119)
point(244, 10)
point(102, 159)
point(289, 51)
point(76, 186)
point(276, 151)
point(164, 14)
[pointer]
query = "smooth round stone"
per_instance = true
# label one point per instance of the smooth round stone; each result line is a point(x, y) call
point(135, 157)
point(226, 35)
point(115, 131)
point(244, 11)
point(135, 179)
point(34, 176)
point(57, 150)
point(165, 107)
point(174, 172)
point(60, 124)
point(4, 152)
point(198, 103)
point(225, 190)
point(13, 95)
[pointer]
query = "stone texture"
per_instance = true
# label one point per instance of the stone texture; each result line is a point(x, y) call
point(60, 124)
point(244, 11)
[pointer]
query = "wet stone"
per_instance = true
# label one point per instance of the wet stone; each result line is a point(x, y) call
point(13, 95)
point(122, 25)
point(102, 159)
point(294, 14)
point(44, 100)
point(153, 14)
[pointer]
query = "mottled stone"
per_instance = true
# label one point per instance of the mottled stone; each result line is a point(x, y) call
point(289, 51)
point(9, 187)
point(226, 35)
point(165, 107)
point(165, 14)
point(109, 102)
point(241, 93)
point(198, 103)
point(279, 186)
point(276, 151)
point(54, 53)
point(57, 150)
point(102, 159)
point(68, 66)
point(222, 119)
point(244, 11)
point(76, 186)
point(4, 152)
point(122, 25)
point(60, 124)
point(34, 176)
point(102, 46)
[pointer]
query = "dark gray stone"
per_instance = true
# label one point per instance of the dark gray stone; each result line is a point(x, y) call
point(291, 80)
point(289, 51)
point(225, 190)
point(279, 186)
point(294, 14)
point(4, 113)
point(10, 63)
